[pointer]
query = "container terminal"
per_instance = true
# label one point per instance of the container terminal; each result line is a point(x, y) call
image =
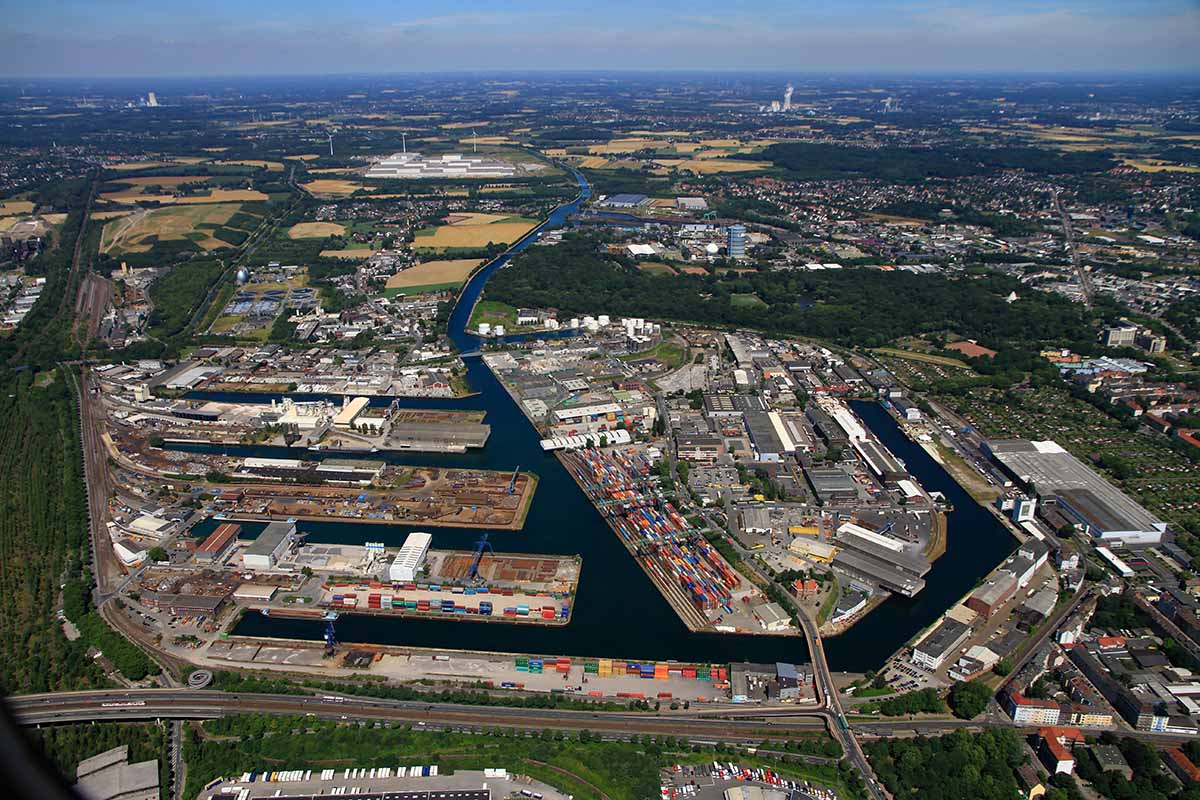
point(705, 591)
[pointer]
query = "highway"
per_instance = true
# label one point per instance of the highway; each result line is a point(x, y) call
point(1085, 279)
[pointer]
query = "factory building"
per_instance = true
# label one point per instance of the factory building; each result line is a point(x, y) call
point(217, 544)
point(350, 411)
point(939, 645)
point(410, 558)
point(265, 552)
point(987, 599)
point(831, 485)
point(449, 165)
point(1076, 491)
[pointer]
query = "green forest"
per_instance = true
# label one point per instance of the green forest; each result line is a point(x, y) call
point(860, 307)
point(980, 766)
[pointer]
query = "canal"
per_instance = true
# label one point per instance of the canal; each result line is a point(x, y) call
point(617, 611)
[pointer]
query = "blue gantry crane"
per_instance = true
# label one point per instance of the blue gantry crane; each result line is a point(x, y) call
point(512, 482)
point(480, 546)
point(330, 636)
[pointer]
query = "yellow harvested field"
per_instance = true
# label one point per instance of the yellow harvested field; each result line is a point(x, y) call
point(331, 171)
point(128, 233)
point(16, 207)
point(720, 142)
point(305, 156)
point(473, 218)
point(271, 166)
point(713, 166)
point(555, 152)
point(594, 162)
point(214, 196)
point(628, 146)
point(357, 252)
point(1150, 165)
point(429, 273)
point(315, 230)
point(473, 235)
point(100, 216)
point(687, 147)
point(334, 186)
point(8, 222)
point(460, 125)
point(664, 133)
point(486, 140)
point(214, 149)
point(54, 219)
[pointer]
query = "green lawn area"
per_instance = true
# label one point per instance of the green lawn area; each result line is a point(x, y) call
point(493, 312)
point(746, 301)
point(669, 353)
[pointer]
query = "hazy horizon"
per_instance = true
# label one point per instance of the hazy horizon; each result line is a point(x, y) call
point(135, 38)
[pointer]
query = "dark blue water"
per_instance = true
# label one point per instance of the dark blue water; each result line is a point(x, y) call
point(617, 611)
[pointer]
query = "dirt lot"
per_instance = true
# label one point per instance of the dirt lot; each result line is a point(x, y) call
point(315, 230)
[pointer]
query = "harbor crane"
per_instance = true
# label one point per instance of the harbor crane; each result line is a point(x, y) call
point(330, 635)
point(480, 546)
point(512, 482)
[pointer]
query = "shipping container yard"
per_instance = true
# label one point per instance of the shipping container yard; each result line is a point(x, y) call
point(705, 591)
point(471, 603)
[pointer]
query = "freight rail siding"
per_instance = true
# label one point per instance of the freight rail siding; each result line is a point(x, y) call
point(689, 573)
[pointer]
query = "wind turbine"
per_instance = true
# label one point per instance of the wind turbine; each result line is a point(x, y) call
point(404, 141)
point(331, 143)
point(474, 142)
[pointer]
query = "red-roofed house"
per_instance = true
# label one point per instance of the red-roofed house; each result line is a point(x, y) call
point(1182, 766)
point(1027, 711)
point(1054, 748)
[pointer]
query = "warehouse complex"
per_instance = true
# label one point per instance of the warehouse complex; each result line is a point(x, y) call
point(450, 165)
point(1082, 495)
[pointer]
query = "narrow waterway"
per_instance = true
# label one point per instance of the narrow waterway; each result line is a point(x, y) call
point(617, 611)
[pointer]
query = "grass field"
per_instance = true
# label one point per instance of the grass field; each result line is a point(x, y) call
point(162, 180)
point(450, 236)
point(214, 196)
point(334, 186)
point(16, 207)
point(715, 166)
point(656, 268)
point(315, 230)
point(630, 145)
point(746, 301)
point(473, 218)
point(670, 354)
point(443, 274)
point(271, 166)
point(923, 357)
point(128, 233)
point(494, 312)
point(1150, 165)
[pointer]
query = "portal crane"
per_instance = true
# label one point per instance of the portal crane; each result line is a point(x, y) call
point(512, 482)
point(480, 546)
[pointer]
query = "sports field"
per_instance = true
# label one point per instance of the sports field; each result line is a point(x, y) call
point(467, 235)
point(129, 233)
point(432, 276)
point(315, 230)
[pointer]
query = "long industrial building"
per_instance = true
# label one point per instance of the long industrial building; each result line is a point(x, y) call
point(879, 560)
point(1077, 491)
point(450, 165)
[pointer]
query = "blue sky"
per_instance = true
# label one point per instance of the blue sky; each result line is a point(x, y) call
point(223, 37)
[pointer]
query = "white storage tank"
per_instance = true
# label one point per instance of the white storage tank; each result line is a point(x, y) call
point(485, 328)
